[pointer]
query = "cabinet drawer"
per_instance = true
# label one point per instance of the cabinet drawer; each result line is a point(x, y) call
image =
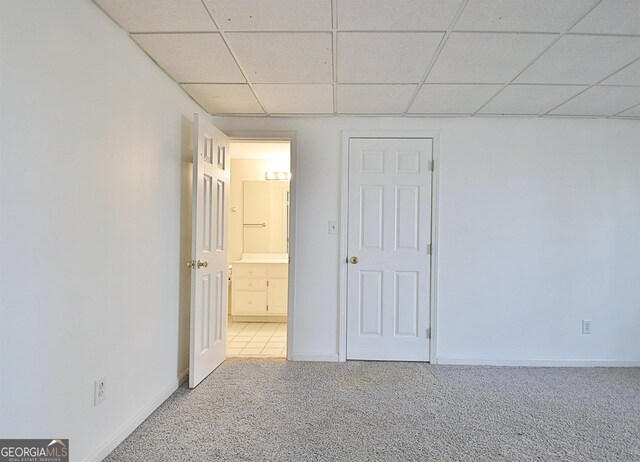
point(278, 271)
point(249, 284)
point(249, 272)
point(249, 302)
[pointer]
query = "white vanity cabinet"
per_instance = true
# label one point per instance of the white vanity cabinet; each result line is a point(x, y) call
point(259, 289)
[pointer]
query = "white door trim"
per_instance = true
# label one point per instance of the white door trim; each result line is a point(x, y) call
point(344, 214)
point(244, 135)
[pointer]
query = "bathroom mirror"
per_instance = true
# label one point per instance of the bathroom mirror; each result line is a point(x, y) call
point(265, 218)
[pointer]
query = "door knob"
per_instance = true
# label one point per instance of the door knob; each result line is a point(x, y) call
point(202, 263)
point(354, 260)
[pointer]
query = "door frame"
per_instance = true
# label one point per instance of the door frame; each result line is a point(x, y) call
point(291, 137)
point(344, 215)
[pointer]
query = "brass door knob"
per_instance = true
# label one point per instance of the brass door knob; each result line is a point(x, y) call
point(202, 263)
point(354, 260)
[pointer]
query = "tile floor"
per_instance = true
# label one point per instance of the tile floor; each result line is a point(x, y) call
point(264, 339)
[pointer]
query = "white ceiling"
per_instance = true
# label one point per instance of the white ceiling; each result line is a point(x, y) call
point(577, 58)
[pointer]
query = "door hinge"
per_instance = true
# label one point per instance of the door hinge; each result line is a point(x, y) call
point(267, 283)
point(432, 165)
point(428, 249)
point(428, 332)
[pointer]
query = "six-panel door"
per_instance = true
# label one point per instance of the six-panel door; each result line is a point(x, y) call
point(389, 234)
point(209, 286)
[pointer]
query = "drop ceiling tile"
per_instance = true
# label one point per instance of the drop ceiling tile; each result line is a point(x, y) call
point(630, 75)
point(633, 112)
point(373, 99)
point(276, 15)
point(452, 99)
point(224, 98)
point(191, 57)
point(385, 57)
point(530, 99)
point(296, 99)
point(600, 101)
point(612, 17)
point(159, 15)
point(285, 57)
point(522, 15)
point(581, 59)
point(397, 15)
point(486, 58)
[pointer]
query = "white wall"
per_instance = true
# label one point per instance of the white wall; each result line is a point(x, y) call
point(539, 229)
point(94, 200)
point(248, 170)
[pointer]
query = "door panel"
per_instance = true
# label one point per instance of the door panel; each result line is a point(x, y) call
point(371, 217)
point(278, 295)
point(220, 311)
point(406, 308)
point(407, 217)
point(207, 216)
point(389, 231)
point(220, 214)
point(370, 303)
point(209, 250)
point(205, 312)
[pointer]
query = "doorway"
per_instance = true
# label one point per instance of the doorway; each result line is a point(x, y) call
point(259, 245)
point(387, 280)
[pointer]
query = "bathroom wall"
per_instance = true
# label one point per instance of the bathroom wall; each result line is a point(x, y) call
point(251, 168)
point(241, 170)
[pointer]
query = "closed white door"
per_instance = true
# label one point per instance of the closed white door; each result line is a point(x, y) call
point(208, 338)
point(389, 245)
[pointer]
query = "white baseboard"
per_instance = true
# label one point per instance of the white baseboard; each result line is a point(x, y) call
point(129, 426)
point(332, 358)
point(477, 361)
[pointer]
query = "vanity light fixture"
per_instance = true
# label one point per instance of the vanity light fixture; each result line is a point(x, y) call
point(282, 176)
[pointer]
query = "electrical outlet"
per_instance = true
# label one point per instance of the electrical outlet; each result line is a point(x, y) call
point(99, 390)
point(333, 227)
point(586, 327)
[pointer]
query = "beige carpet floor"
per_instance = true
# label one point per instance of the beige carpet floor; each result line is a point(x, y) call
point(273, 410)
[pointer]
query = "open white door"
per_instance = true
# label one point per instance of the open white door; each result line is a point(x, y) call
point(208, 339)
point(389, 243)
